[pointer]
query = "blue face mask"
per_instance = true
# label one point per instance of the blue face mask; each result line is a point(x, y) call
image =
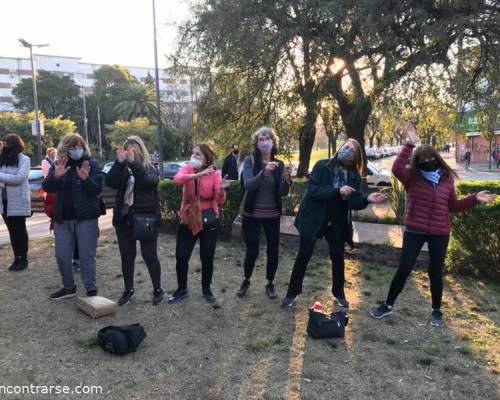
point(75, 154)
point(345, 154)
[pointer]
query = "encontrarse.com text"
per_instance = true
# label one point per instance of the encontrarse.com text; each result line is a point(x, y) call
point(55, 389)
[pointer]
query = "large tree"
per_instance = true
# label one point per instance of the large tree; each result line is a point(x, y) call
point(138, 100)
point(350, 51)
point(57, 95)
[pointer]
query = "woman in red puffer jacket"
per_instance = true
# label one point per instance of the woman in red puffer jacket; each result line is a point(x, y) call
point(430, 197)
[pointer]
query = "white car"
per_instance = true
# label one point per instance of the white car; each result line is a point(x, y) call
point(376, 176)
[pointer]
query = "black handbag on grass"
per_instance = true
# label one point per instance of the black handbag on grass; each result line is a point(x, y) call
point(145, 226)
point(323, 326)
point(121, 339)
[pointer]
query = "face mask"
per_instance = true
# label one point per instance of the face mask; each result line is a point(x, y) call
point(236, 152)
point(345, 155)
point(75, 154)
point(428, 166)
point(195, 163)
point(265, 146)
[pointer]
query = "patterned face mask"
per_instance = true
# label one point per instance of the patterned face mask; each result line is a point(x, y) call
point(346, 155)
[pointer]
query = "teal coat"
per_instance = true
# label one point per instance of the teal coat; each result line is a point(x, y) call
point(321, 190)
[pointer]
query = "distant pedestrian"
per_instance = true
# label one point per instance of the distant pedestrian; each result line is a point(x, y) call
point(496, 156)
point(48, 161)
point(467, 158)
point(230, 165)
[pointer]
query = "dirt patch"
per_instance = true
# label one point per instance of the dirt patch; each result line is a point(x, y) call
point(245, 348)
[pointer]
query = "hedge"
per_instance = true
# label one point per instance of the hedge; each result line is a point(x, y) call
point(170, 202)
point(475, 243)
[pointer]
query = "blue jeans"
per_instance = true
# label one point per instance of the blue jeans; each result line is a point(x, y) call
point(67, 234)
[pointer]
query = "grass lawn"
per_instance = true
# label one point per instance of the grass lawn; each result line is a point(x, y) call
point(250, 348)
point(316, 155)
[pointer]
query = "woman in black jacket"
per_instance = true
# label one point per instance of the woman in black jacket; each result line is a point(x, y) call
point(136, 180)
point(77, 179)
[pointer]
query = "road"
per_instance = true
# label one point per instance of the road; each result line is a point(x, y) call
point(475, 172)
point(38, 226)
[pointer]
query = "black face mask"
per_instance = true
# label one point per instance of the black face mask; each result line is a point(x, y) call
point(428, 166)
point(236, 152)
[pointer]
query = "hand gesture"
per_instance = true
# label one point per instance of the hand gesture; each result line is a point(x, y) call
point(410, 133)
point(131, 155)
point(84, 171)
point(376, 197)
point(270, 167)
point(60, 168)
point(121, 155)
point(287, 174)
point(485, 196)
point(225, 183)
point(206, 171)
point(345, 191)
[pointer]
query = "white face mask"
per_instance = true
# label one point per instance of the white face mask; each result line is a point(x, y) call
point(195, 163)
point(75, 154)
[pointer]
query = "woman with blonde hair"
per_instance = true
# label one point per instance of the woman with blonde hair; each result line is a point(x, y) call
point(77, 180)
point(334, 190)
point(136, 180)
point(265, 180)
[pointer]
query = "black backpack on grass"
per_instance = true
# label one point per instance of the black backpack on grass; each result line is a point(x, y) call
point(121, 339)
point(323, 326)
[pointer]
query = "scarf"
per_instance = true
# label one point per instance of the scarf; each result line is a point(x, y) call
point(432, 176)
point(128, 197)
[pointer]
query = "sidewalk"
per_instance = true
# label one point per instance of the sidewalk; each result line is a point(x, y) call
point(364, 232)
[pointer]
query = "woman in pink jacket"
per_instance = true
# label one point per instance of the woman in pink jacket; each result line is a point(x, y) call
point(203, 186)
point(430, 198)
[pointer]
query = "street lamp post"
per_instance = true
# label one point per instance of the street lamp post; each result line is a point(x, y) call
point(158, 109)
point(35, 95)
point(85, 121)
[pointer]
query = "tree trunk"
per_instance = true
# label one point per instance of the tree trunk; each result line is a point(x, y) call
point(306, 140)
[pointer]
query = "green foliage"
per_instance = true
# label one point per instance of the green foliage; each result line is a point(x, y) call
point(170, 203)
point(138, 100)
point(397, 197)
point(120, 130)
point(20, 124)
point(57, 95)
point(475, 245)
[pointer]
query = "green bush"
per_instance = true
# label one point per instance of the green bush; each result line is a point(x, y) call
point(475, 244)
point(170, 202)
point(397, 197)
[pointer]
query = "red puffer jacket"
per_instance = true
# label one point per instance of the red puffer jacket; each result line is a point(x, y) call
point(427, 207)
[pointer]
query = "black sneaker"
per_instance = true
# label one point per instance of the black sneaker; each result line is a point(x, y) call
point(381, 311)
point(271, 293)
point(242, 291)
point(178, 296)
point(19, 264)
point(208, 296)
point(126, 297)
point(91, 293)
point(342, 302)
point(437, 318)
point(158, 296)
point(63, 294)
point(289, 300)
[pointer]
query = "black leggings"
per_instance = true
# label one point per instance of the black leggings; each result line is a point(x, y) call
point(412, 244)
point(251, 232)
point(335, 241)
point(17, 233)
point(183, 250)
point(128, 251)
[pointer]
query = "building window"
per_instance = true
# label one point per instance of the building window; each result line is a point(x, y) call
point(183, 81)
point(4, 85)
point(24, 72)
point(4, 71)
point(6, 99)
point(170, 81)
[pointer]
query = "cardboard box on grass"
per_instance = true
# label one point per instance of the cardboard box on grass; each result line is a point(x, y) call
point(96, 306)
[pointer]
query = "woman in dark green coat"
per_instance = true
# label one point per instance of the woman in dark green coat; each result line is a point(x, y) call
point(334, 190)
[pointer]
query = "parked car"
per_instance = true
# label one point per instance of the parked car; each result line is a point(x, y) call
point(376, 176)
point(171, 168)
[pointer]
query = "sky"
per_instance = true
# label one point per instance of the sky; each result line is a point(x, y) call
point(98, 31)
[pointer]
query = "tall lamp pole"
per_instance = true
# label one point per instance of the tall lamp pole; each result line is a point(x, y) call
point(158, 109)
point(85, 121)
point(35, 95)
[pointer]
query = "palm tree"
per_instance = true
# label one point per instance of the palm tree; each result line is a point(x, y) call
point(137, 101)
